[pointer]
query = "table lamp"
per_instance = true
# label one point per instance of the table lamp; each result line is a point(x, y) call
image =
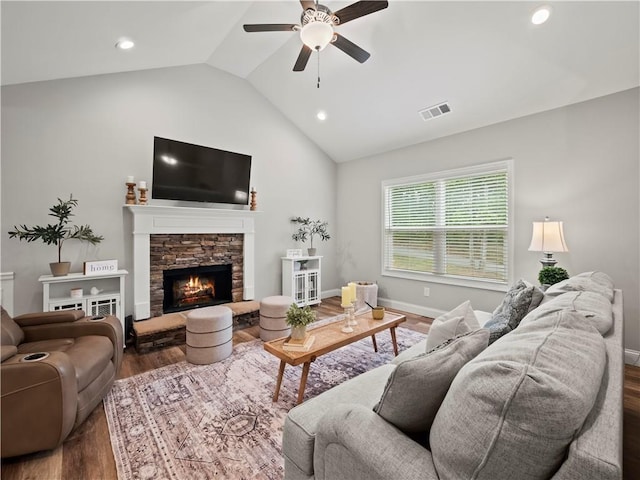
point(548, 237)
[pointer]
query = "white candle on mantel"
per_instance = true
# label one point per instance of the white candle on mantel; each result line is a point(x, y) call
point(346, 296)
point(129, 179)
point(142, 184)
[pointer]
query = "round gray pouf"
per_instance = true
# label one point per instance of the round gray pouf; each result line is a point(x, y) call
point(209, 334)
point(273, 317)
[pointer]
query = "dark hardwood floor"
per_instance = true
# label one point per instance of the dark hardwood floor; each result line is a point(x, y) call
point(87, 455)
point(631, 428)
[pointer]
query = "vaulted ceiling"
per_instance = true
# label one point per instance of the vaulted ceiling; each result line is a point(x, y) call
point(485, 59)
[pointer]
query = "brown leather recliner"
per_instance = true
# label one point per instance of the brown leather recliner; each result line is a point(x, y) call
point(44, 397)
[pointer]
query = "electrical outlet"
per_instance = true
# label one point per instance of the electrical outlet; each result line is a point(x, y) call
point(426, 291)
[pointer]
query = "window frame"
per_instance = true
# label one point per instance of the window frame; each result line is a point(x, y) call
point(484, 284)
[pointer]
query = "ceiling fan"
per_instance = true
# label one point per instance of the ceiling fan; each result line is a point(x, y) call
point(317, 24)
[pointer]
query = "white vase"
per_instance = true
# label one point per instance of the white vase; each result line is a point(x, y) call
point(298, 332)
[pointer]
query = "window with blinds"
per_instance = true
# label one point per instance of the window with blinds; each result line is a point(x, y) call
point(454, 224)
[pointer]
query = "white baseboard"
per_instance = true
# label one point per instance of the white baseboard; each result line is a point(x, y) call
point(411, 308)
point(331, 293)
point(632, 357)
point(385, 302)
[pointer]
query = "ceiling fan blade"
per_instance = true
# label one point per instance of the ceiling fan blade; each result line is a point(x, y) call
point(351, 48)
point(270, 27)
point(303, 58)
point(307, 4)
point(360, 9)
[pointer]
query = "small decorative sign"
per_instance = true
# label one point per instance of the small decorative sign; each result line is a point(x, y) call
point(100, 267)
point(294, 252)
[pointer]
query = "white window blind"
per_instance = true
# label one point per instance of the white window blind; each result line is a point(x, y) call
point(455, 224)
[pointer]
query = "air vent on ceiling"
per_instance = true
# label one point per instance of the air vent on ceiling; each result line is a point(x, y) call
point(434, 111)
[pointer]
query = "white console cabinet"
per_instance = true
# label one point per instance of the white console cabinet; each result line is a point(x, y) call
point(301, 279)
point(56, 293)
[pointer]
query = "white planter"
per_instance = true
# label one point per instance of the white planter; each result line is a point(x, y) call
point(298, 332)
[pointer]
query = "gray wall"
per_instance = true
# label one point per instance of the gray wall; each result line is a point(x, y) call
point(578, 164)
point(85, 135)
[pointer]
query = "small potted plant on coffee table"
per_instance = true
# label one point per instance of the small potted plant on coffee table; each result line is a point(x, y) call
point(298, 318)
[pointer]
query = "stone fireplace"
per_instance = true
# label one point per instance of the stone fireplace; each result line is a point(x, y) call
point(181, 262)
point(192, 287)
point(174, 238)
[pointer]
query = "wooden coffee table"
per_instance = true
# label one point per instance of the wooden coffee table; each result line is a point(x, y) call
point(329, 337)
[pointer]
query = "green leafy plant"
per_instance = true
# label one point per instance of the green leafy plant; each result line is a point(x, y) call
point(308, 228)
point(552, 275)
point(297, 316)
point(56, 234)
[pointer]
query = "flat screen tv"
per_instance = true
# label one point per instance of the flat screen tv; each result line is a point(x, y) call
point(182, 171)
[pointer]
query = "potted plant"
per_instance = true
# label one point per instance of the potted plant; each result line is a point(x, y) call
point(298, 318)
point(307, 229)
point(551, 275)
point(57, 233)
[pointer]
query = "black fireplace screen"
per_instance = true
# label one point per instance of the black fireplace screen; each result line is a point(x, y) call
point(186, 288)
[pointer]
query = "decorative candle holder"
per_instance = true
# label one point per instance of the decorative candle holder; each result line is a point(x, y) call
point(143, 196)
point(352, 315)
point(253, 205)
point(131, 194)
point(348, 315)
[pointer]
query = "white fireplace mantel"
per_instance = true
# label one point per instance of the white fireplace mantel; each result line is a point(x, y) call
point(154, 219)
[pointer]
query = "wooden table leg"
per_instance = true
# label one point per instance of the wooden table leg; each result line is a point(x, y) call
point(279, 381)
point(375, 345)
point(393, 340)
point(303, 381)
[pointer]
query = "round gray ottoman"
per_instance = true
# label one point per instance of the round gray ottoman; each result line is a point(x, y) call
point(209, 334)
point(273, 317)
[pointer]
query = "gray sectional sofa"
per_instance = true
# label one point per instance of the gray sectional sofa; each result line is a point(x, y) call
point(543, 401)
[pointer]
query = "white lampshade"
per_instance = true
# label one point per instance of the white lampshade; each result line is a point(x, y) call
point(548, 237)
point(316, 35)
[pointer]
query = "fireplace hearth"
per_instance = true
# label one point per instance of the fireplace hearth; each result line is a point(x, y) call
point(193, 287)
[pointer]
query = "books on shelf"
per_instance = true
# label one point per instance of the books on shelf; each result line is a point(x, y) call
point(301, 345)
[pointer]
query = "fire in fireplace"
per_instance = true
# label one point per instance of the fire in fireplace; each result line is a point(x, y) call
point(186, 288)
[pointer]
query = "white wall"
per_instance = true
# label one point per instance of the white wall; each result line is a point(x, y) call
point(578, 164)
point(85, 135)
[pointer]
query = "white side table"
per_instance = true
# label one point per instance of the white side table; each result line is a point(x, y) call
point(56, 293)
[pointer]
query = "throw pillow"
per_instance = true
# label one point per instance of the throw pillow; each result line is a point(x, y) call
point(417, 386)
point(597, 310)
point(440, 332)
point(513, 410)
point(460, 320)
point(521, 298)
point(596, 282)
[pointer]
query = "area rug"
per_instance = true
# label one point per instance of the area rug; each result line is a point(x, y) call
point(185, 421)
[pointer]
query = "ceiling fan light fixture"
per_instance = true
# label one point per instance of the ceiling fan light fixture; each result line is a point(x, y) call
point(316, 35)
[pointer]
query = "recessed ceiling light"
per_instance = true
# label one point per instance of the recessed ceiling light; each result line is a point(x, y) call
point(321, 115)
point(541, 15)
point(125, 44)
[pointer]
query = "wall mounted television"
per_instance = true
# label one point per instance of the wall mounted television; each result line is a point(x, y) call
point(183, 171)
